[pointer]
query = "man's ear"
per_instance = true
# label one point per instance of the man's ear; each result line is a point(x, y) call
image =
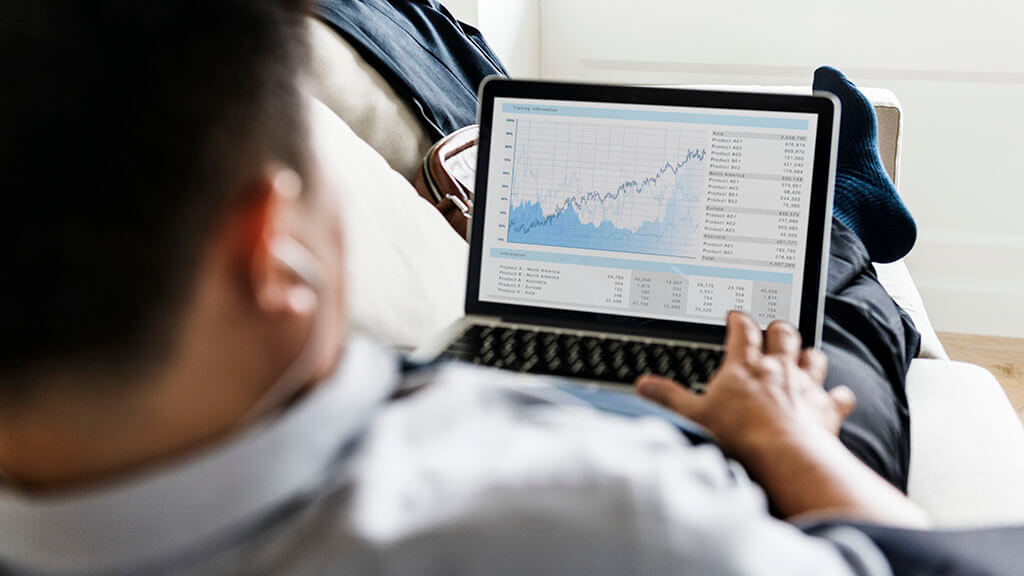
point(264, 241)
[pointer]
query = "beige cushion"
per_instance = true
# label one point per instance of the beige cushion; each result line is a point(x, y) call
point(890, 130)
point(406, 266)
point(363, 99)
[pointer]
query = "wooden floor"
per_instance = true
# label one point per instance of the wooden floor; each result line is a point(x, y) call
point(1003, 357)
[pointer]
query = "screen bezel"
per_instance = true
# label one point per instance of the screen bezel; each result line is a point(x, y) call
point(819, 226)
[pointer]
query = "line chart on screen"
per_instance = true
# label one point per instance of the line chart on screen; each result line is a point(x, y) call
point(606, 186)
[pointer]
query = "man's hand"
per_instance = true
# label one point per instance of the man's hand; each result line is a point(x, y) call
point(762, 391)
point(768, 409)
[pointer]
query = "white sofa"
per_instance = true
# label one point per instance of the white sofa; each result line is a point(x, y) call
point(407, 271)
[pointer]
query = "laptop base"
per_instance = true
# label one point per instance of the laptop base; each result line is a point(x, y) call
point(593, 356)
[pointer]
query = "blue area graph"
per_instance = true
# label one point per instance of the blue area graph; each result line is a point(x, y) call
point(658, 214)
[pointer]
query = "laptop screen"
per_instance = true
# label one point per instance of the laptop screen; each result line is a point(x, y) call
point(662, 212)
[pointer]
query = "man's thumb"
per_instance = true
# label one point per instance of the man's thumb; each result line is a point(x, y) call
point(669, 394)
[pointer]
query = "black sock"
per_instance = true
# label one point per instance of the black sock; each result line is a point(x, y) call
point(866, 199)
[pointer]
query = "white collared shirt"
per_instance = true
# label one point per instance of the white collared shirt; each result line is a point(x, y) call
point(476, 474)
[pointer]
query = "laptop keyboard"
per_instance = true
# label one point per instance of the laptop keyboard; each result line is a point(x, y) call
point(591, 357)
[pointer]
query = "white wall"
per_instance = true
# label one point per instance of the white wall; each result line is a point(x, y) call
point(464, 10)
point(956, 67)
point(511, 27)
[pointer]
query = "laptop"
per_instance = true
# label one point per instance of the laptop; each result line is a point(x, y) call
point(614, 227)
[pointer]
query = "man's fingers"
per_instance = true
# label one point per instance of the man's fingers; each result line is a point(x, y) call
point(782, 338)
point(815, 363)
point(742, 339)
point(669, 394)
point(844, 399)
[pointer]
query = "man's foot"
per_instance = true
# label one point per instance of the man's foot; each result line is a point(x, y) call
point(866, 199)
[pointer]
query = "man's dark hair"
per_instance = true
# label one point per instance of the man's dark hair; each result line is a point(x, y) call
point(127, 129)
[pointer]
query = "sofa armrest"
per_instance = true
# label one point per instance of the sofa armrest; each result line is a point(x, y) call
point(967, 446)
point(889, 112)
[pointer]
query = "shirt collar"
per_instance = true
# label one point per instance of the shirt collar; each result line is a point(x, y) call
point(176, 508)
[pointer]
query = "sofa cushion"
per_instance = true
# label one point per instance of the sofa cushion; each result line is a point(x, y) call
point(406, 266)
point(365, 101)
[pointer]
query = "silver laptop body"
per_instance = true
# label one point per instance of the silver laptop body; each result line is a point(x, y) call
point(616, 223)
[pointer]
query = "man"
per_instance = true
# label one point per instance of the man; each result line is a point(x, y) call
point(182, 395)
